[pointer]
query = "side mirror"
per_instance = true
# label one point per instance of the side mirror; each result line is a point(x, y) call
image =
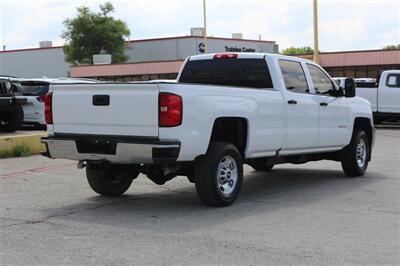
point(337, 93)
point(349, 88)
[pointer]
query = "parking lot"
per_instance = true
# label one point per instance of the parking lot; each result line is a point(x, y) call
point(297, 214)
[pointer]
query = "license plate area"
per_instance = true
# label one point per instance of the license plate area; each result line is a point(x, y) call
point(96, 146)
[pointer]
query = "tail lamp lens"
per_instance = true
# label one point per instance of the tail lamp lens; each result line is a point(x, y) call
point(48, 112)
point(170, 110)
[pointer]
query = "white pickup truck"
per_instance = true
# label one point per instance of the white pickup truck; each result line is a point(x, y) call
point(384, 98)
point(224, 110)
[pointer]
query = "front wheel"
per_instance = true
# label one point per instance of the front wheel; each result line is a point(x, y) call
point(110, 179)
point(356, 155)
point(219, 175)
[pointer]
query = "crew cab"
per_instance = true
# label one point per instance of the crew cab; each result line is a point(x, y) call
point(223, 110)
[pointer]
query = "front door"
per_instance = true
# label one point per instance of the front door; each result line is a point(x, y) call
point(333, 117)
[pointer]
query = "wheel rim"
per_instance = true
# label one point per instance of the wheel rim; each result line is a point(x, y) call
point(361, 153)
point(227, 175)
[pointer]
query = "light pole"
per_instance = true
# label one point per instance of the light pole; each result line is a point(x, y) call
point(205, 27)
point(315, 12)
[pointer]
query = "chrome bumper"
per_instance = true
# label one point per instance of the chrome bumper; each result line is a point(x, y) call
point(126, 151)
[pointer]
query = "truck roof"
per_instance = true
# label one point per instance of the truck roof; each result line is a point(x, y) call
point(246, 56)
point(55, 80)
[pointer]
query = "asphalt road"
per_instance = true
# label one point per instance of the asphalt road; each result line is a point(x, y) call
point(297, 214)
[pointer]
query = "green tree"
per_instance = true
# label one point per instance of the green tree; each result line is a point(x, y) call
point(93, 33)
point(298, 50)
point(391, 47)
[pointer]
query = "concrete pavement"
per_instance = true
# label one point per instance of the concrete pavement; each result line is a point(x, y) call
point(297, 214)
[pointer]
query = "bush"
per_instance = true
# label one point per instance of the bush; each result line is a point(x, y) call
point(19, 151)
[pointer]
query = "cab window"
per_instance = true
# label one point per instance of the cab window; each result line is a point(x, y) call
point(393, 80)
point(322, 83)
point(293, 76)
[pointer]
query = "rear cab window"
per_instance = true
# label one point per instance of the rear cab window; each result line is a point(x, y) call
point(365, 84)
point(250, 73)
point(31, 88)
point(294, 76)
point(393, 81)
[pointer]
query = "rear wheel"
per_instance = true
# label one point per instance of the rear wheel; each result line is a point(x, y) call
point(110, 179)
point(262, 164)
point(356, 155)
point(12, 121)
point(219, 175)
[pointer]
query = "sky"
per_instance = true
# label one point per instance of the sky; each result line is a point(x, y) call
point(343, 25)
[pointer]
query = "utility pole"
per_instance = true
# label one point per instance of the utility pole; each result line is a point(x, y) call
point(316, 51)
point(205, 27)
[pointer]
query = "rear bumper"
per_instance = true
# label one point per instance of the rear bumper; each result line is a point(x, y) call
point(112, 149)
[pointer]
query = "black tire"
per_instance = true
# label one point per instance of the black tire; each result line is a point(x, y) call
point(261, 164)
point(208, 187)
point(378, 121)
point(12, 122)
point(109, 179)
point(352, 165)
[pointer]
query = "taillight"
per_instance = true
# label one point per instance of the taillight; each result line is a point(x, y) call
point(40, 98)
point(170, 110)
point(225, 56)
point(48, 112)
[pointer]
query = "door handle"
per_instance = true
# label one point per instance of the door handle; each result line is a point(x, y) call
point(292, 102)
point(101, 100)
point(323, 104)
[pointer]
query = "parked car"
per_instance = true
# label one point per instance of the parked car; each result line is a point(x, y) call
point(224, 110)
point(384, 98)
point(11, 112)
point(34, 91)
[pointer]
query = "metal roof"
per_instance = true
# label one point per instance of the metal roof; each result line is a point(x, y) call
point(128, 69)
point(358, 58)
point(146, 40)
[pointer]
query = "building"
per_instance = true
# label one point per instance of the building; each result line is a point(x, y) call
point(162, 58)
point(358, 64)
point(49, 61)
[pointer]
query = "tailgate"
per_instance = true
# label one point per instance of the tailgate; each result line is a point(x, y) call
point(106, 109)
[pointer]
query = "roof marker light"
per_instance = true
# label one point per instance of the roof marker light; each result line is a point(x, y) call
point(225, 56)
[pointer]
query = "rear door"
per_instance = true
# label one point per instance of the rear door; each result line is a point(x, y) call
point(389, 94)
point(106, 109)
point(302, 109)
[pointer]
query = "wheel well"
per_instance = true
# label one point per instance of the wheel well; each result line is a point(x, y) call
point(364, 124)
point(232, 130)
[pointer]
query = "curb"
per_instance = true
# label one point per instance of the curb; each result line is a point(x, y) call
point(8, 143)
